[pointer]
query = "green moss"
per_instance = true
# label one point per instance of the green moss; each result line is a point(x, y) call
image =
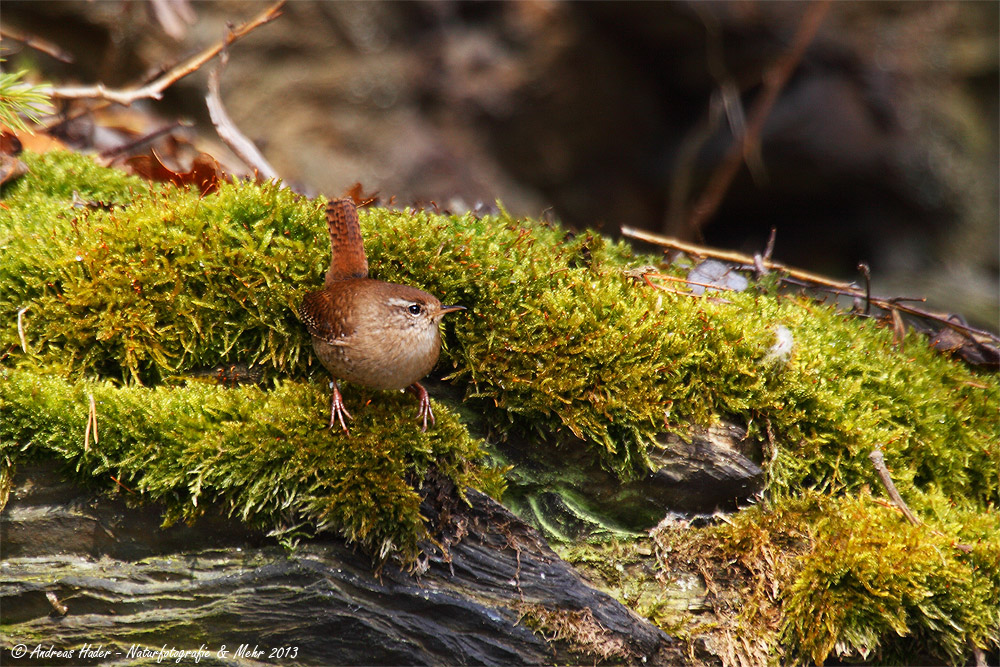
point(563, 343)
point(165, 282)
point(813, 577)
point(557, 341)
point(169, 282)
point(264, 455)
point(874, 583)
point(61, 180)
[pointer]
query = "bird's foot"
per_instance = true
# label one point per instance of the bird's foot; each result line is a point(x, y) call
point(337, 409)
point(425, 403)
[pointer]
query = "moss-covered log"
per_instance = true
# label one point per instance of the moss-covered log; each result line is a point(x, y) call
point(114, 288)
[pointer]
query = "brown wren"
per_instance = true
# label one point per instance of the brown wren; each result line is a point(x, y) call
point(377, 334)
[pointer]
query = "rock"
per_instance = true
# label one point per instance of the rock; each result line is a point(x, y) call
point(83, 569)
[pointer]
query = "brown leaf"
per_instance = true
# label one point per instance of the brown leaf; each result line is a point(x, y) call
point(356, 194)
point(11, 168)
point(37, 142)
point(949, 340)
point(898, 328)
point(976, 353)
point(205, 172)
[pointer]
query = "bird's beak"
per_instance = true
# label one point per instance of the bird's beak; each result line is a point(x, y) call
point(450, 309)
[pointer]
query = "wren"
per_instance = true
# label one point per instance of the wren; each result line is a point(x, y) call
point(377, 334)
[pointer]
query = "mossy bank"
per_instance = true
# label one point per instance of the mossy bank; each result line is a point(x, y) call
point(123, 291)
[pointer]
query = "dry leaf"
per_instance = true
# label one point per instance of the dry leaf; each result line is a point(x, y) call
point(356, 194)
point(205, 172)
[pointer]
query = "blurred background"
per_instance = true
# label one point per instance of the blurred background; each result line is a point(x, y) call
point(882, 146)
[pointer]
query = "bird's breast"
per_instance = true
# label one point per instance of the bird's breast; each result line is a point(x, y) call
point(381, 359)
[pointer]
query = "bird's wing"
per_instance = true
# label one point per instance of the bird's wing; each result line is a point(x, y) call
point(320, 316)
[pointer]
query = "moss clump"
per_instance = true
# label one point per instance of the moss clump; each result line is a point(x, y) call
point(562, 342)
point(816, 576)
point(56, 180)
point(558, 340)
point(263, 454)
point(579, 629)
point(162, 282)
point(871, 582)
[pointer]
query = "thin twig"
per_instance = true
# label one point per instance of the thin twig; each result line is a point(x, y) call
point(115, 151)
point(704, 295)
point(227, 130)
point(867, 273)
point(38, 44)
point(758, 265)
point(805, 279)
point(943, 319)
point(771, 240)
point(774, 81)
point(120, 484)
point(883, 473)
point(154, 90)
point(731, 256)
point(758, 259)
point(675, 279)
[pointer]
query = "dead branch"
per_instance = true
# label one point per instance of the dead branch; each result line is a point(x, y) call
point(745, 146)
point(810, 280)
point(733, 257)
point(227, 130)
point(37, 43)
point(154, 90)
point(883, 474)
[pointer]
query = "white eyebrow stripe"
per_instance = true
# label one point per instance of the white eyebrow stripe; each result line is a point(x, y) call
point(395, 301)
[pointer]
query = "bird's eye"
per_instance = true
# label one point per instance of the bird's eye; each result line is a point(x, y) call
point(415, 309)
